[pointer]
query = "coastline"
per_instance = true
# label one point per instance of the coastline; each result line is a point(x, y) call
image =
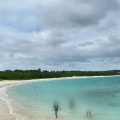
point(4, 83)
point(5, 113)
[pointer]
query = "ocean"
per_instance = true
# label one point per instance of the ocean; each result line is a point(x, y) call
point(34, 101)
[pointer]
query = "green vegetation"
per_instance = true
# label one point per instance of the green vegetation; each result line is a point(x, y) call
point(37, 74)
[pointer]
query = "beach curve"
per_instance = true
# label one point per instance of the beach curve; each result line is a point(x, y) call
point(6, 110)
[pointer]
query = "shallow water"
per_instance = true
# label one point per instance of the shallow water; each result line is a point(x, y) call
point(34, 101)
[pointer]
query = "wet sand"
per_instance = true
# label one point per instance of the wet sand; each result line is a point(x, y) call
point(5, 112)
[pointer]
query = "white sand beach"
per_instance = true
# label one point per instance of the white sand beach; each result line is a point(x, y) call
point(5, 112)
point(4, 109)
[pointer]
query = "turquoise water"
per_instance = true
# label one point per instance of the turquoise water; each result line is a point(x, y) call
point(34, 101)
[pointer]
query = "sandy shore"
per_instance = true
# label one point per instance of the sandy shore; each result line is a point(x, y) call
point(4, 110)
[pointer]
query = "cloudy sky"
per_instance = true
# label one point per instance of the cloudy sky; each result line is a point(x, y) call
point(60, 34)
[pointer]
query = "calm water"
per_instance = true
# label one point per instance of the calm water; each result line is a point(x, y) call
point(34, 101)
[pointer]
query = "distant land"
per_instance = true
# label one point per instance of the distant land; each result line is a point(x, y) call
point(38, 74)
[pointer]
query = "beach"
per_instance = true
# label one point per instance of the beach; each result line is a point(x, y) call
point(4, 108)
point(5, 112)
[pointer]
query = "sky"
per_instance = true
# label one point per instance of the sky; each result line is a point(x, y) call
point(60, 34)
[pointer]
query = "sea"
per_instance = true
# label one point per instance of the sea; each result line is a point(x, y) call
point(99, 96)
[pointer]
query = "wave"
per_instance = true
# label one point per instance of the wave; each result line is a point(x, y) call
point(6, 98)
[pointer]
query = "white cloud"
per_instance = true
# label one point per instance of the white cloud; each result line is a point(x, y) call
point(58, 34)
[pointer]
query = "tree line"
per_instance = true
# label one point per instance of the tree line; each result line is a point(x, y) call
point(37, 74)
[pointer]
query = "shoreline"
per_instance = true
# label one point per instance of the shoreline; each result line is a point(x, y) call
point(4, 83)
point(5, 108)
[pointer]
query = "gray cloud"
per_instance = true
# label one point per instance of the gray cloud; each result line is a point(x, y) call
point(75, 13)
point(59, 34)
